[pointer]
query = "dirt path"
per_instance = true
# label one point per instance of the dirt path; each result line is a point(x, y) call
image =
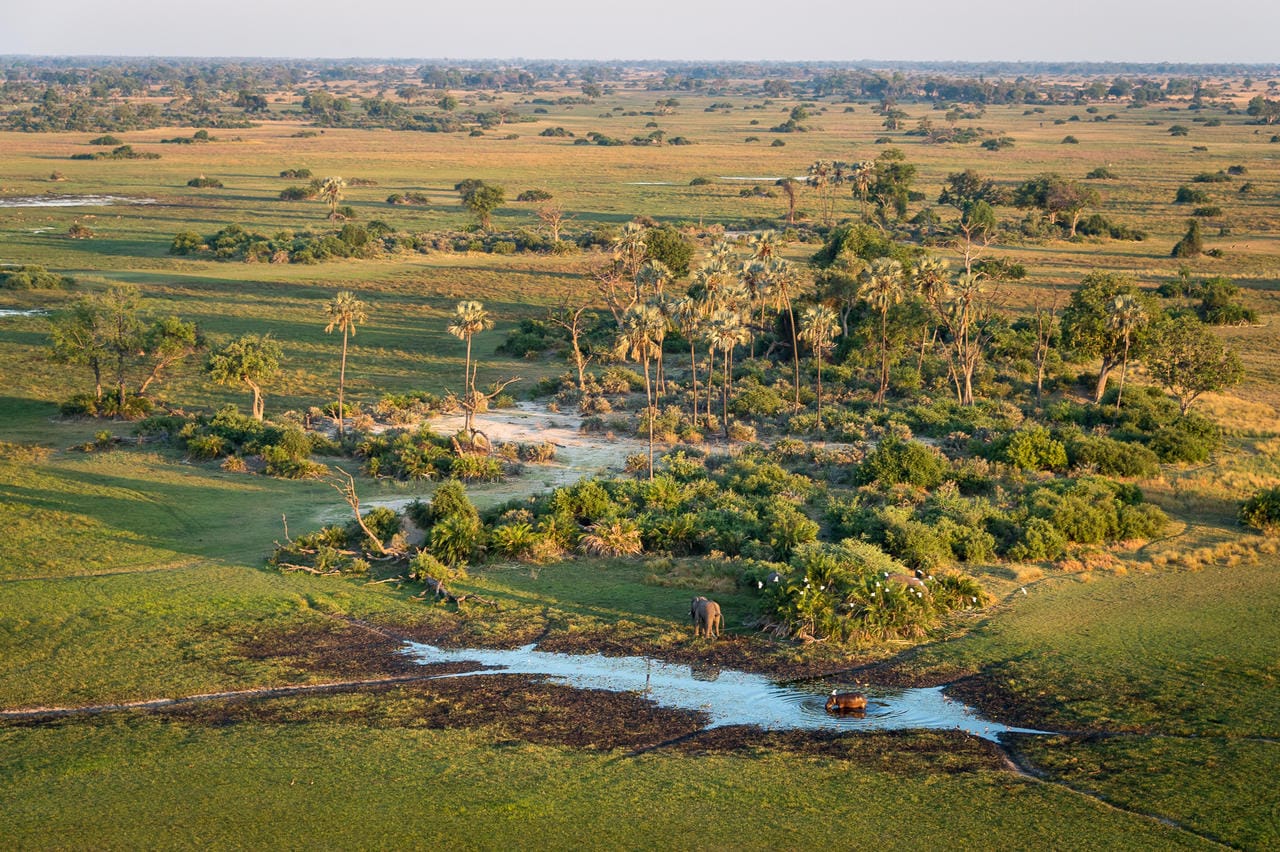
point(578, 455)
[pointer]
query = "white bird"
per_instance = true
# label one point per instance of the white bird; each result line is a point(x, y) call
point(1024, 590)
point(759, 585)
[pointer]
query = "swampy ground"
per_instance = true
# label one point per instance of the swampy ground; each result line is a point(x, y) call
point(132, 573)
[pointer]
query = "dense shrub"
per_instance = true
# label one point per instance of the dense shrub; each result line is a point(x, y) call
point(1034, 449)
point(32, 277)
point(1262, 511)
point(896, 461)
point(1111, 457)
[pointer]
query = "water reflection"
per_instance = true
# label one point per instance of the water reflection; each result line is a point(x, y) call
point(727, 697)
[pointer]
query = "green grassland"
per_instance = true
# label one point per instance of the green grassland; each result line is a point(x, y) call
point(134, 573)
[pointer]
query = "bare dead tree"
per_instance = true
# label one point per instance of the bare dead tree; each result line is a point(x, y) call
point(554, 218)
point(1045, 328)
point(571, 320)
point(474, 402)
point(345, 484)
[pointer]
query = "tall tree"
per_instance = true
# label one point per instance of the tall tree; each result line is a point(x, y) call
point(891, 181)
point(330, 191)
point(861, 176)
point(77, 337)
point(1086, 327)
point(1057, 197)
point(819, 326)
point(575, 321)
point(123, 331)
point(783, 281)
point(251, 360)
point(725, 331)
point(1125, 318)
point(1189, 360)
point(469, 319)
point(481, 199)
point(881, 290)
point(344, 312)
point(790, 188)
point(689, 314)
point(167, 341)
point(643, 330)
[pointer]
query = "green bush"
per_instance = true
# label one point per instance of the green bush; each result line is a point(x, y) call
point(381, 521)
point(456, 539)
point(1038, 540)
point(475, 468)
point(896, 461)
point(1262, 511)
point(514, 541)
point(425, 567)
point(33, 277)
point(1032, 448)
point(1111, 457)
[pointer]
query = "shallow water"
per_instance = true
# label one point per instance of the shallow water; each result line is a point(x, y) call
point(727, 697)
point(34, 312)
point(71, 201)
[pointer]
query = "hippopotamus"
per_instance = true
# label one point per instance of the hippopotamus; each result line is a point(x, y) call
point(846, 702)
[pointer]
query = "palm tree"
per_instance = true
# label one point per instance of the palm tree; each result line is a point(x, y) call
point(861, 176)
point(725, 330)
point(330, 191)
point(819, 177)
point(1125, 318)
point(764, 245)
point(783, 280)
point(344, 312)
point(643, 329)
point(688, 315)
point(819, 326)
point(651, 283)
point(791, 188)
point(881, 290)
point(469, 318)
point(930, 279)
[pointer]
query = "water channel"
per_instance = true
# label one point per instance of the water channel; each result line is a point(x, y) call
point(725, 696)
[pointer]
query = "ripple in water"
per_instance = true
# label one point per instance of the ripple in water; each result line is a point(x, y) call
point(727, 697)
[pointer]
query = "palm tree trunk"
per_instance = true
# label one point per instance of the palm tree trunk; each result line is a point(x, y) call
point(648, 392)
point(884, 357)
point(818, 355)
point(467, 383)
point(795, 353)
point(342, 383)
point(711, 368)
point(1124, 368)
point(693, 369)
point(724, 391)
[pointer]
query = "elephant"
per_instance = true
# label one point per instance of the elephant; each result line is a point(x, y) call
point(846, 702)
point(706, 618)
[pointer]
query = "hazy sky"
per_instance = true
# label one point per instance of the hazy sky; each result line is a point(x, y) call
point(1120, 30)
